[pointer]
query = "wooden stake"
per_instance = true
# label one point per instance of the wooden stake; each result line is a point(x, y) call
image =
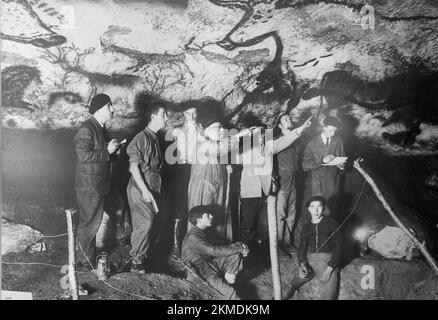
point(394, 217)
point(273, 250)
point(71, 255)
point(227, 221)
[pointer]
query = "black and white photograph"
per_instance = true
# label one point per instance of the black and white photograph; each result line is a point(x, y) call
point(219, 150)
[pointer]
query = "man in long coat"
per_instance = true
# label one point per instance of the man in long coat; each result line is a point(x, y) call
point(320, 151)
point(92, 176)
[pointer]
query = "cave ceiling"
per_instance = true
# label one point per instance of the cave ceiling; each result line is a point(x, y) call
point(373, 61)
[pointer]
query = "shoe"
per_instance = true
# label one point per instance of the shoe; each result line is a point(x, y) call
point(231, 278)
point(190, 277)
point(138, 268)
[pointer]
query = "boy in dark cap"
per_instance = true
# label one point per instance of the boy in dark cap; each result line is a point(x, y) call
point(92, 176)
point(319, 251)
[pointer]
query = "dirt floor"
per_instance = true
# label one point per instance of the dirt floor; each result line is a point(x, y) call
point(164, 281)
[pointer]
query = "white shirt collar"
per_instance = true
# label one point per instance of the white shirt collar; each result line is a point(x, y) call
point(324, 138)
point(101, 124)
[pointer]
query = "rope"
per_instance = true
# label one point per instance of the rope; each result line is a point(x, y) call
point(33, 263)
point(56, 236)
point(112, 287)
point(349, 215)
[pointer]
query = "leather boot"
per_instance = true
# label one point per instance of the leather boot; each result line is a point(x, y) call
point(176, 240)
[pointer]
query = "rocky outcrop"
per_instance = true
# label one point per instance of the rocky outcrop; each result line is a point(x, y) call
point(425, 290)
point(365, 278)
point(390, 242)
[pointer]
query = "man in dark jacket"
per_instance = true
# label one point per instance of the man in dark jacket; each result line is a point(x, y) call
point(92, 176)
point(209, 260)
point(318, 154)
point(320, 250)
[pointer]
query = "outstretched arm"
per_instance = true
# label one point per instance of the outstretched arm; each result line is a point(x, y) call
point(286, 140)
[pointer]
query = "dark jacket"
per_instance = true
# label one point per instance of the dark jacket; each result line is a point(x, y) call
point(314, 239)
point(325, 179)
point(92, 158)
point(196, 249)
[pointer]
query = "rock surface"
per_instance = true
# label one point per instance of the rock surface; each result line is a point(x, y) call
point(365, 278)
point(258, 51)
point(390, 242)
point(425, 290)
point(17, 237)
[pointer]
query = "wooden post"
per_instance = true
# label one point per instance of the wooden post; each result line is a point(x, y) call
point(228, 221)
point(394, 217)
point(273, 250)
point(72, 255)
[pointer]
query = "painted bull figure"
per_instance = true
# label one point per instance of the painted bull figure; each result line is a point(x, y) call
point(20, 23)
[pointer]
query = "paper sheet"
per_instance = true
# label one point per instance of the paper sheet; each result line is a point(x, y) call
point(336, 161)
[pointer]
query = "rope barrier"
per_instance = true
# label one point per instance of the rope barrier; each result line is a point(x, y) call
point(60, 266)
point(32, 263)
point(56, 236)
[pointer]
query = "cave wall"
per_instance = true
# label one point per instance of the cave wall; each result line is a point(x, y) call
point(56, 54)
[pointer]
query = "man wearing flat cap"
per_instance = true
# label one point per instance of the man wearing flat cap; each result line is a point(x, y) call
point(92, 176)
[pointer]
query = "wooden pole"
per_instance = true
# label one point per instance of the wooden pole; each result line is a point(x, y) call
point(71, 255)
point(227, 221)
point(273, 250)
point(394, 217)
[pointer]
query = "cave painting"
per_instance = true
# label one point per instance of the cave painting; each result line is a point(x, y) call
point(261, 11)
point(15, 80)
point(21, 24)
point(414, 96)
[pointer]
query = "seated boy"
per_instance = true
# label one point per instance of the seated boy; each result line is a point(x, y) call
point(320, 250)
point(210, 261)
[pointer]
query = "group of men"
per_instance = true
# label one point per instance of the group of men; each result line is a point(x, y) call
point(217, 263)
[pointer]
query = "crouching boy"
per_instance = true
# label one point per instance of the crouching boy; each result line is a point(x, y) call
point(210, 261)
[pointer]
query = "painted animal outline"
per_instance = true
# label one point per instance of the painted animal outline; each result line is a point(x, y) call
point(21, 24)
point(412, 96)
point(60, 56)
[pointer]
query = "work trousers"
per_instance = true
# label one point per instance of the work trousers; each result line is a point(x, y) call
point(315, 289)
point(91, 207)
point(143, 217)
point(254, 219)
point(212, 270)
point(286, 214)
